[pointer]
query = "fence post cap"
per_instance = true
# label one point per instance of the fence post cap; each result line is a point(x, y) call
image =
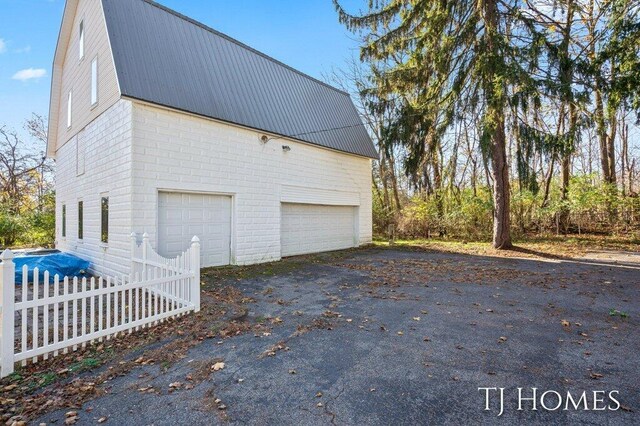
point(133, 235)
point(6, 255)
point(145, 236)
point(195, 239)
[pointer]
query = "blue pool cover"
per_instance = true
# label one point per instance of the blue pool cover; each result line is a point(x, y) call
point(62, 264)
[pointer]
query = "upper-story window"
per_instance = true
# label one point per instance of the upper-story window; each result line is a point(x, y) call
point(81, 41)
point(94, 81)
point(69, 110)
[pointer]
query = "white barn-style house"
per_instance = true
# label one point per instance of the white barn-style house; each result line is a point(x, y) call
point(159, 124)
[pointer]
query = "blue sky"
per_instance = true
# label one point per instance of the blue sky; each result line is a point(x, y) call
point(304, 34)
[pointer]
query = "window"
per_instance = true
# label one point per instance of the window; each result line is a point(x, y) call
point(64, 221)
point(80, 140)
point(81, 41)
point(104, 219)
point(80, 220)
point(69, 110)
point(94, 81)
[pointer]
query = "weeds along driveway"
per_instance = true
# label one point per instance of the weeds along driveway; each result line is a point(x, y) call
point(388, 336)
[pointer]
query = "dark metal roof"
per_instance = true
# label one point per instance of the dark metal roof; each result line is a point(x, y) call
point(165, 58)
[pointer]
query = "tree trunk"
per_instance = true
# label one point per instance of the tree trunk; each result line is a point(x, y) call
point(384, 178)
point(547, 183)
point(601, 128)
point(394, 181)
point(624, 156)
point(611, 147)
point(495, 122)
point(501, 191)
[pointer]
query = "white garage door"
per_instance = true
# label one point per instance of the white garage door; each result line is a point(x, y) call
point(312, 228)
point(183, 215)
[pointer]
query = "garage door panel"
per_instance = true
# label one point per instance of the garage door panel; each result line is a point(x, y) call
point(181, 216)
point(311, 228)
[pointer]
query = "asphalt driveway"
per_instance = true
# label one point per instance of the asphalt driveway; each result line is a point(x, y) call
point(391, 336)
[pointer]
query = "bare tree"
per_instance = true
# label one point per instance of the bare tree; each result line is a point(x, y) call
point(23, 166)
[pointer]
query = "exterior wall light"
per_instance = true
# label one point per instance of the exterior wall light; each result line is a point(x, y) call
point(286, 148)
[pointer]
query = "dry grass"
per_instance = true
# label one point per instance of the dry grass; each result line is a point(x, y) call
point(549, 246)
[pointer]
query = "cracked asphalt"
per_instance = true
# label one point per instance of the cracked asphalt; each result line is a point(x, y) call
point(395, 336)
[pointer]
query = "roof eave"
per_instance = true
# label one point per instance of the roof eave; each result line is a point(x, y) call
point(64, 35)
point(373, 155)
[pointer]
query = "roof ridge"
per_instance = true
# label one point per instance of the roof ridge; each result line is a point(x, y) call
point(241, 44)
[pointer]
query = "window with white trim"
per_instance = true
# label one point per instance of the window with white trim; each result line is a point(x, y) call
point(64, 220)
point(104, 219)
point(94, 81)
point(80, 220)
point(81, 41)
point(69, 110)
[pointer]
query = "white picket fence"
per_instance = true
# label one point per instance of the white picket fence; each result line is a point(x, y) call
point(60, 314)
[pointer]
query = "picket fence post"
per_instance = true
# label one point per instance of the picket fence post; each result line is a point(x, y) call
point(134, 244)
point(145, 244)
point(7, 295)
point(195, 266)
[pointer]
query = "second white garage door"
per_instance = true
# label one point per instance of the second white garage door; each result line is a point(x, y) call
point(312, 228)
point(183, 215)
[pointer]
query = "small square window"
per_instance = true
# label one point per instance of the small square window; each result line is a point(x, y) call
point(104, 220)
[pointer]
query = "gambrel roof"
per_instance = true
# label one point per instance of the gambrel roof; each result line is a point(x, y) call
point(165, 58)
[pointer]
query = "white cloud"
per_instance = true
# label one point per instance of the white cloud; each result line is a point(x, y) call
point(29, 74)
point(25, 49)
point(3, 46)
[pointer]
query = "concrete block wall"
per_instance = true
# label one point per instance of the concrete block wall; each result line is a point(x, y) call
point(96, 162)
point(180, 152)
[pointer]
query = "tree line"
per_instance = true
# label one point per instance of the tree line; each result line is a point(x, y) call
point(500, 114)
point(27, 200)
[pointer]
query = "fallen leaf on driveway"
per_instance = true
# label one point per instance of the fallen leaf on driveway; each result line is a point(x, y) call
point(596, 376)
point(416, 318)
point(502, 339)
point(218, 366)
point(565, 323)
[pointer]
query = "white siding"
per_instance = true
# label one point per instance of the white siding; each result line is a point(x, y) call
point(179, 152)
point(105, 156)
point(75, 74)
